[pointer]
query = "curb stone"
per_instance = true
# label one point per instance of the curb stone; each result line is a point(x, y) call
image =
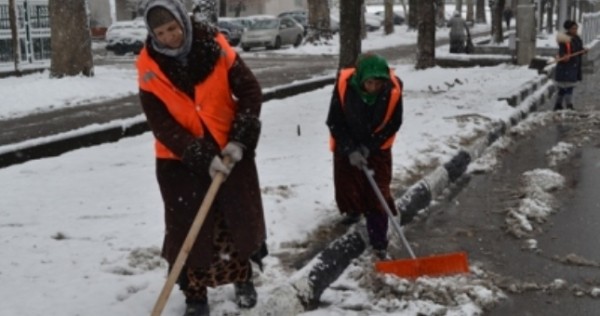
point(311, 281)
point(113, 131)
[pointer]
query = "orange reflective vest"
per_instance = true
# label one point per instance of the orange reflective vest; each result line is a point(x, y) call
point(396, 94)
point(213, 104)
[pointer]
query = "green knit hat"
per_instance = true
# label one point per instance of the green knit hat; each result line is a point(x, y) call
point(372, 66)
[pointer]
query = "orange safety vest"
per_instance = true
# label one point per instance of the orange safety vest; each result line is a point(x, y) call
point(213, 104)
point(342, 85)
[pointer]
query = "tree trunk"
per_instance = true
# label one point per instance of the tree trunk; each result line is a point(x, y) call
point(480, 12)
point(549, 19)
point(71, 42)
point(459, 4)
point(319, 22)
point(388, 23)
point(426, 37)
point(498, 33)
point(470, 15)
point(440, 18)
point(363, 27)
point(14, 32)
point(413, 14)
point(350, 42)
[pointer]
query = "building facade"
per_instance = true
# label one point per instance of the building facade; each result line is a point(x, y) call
point(33, 24)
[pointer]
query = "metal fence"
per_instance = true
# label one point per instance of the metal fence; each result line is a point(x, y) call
point(591, 27)
point(33, 23)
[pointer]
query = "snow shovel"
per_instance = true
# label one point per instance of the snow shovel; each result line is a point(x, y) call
point(189, 241)
point(436, 265)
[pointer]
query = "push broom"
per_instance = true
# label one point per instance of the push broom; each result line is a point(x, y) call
point(435, 265)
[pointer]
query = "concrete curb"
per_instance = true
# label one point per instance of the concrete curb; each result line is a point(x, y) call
point(111, 132)
point(312, 281)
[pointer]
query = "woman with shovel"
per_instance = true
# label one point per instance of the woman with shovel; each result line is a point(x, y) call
point(203, 104)
point(365, 114)
point(568, 64)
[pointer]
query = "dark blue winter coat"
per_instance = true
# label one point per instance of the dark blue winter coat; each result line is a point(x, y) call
point(570, 69)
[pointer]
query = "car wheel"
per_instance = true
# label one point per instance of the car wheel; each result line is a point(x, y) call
point(119, 50)
point(246, 48)
point(298, 40)
point(277, 43)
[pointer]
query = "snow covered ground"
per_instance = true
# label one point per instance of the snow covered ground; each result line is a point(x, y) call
point(81, 233)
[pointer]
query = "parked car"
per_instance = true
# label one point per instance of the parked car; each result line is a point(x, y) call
point(372, 22)
point(397, 17)
point(124, 37)
point(232, 31)
point(295, 12)
point(272, 33)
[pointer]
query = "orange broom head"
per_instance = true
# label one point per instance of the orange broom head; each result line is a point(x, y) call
point(437, 265)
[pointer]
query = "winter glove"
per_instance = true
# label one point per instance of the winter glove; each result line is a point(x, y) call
point(234, 150)
point(217, 165)
point(357, 159)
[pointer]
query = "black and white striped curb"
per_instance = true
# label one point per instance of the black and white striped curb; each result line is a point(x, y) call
point(310, 282)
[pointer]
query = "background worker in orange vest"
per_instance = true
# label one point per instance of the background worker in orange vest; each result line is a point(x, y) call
point(568, 67)
point(203, 103)
point(364, 115)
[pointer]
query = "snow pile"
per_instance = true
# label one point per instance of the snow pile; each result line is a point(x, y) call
point(536, 203)
point(559, 153)
point(360, 290)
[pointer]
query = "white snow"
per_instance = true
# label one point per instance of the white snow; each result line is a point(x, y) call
point(81, 233)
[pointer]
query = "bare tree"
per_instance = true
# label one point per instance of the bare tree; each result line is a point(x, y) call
point(426, 37)
point(319, 22)
point(459, 5)
point(440, 15)
point(497, 31)
point(350, 40)
point(413, 14)
point(388, 22)
point(71, 42)
point(550, 7)
point(14, 32)
point(480, 12)
point(470, 15)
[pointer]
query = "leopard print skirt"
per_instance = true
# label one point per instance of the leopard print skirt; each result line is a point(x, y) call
point(225, 268)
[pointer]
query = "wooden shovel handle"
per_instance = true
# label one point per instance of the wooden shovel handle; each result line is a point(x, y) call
point(189, 241)
point(565, 57)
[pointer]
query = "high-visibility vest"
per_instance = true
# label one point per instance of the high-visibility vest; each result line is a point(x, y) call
point(396, 94)
point(213, 105)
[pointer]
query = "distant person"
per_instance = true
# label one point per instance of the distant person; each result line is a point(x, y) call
point(202, 104)
point(239, 7)
point(458, 33)
point(568, 68)
point(364, 115)
point(508, 15)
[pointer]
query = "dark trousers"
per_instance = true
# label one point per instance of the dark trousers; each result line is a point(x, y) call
point(377, 227)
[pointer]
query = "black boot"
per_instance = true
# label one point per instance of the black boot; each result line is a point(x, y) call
point(245, 294)
point(558, 107)
point(570, 106)
point(350, 219)
point(197, 309)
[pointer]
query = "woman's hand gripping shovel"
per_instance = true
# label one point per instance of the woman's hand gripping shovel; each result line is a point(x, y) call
point(444, 264)
point(186, 247)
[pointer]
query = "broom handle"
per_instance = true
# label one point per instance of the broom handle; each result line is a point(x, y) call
point(189, 241)
point(397, 228)
point(565, 57)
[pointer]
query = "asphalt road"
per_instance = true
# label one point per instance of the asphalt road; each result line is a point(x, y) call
point(561, 275)
point(271, 70)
